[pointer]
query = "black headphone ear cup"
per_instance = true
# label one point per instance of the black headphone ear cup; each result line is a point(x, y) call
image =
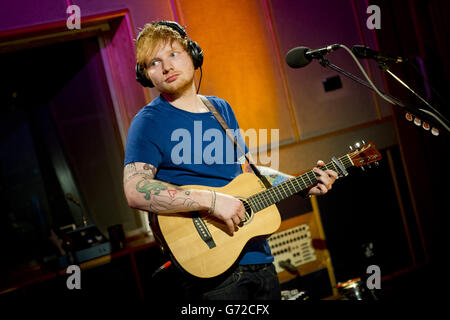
point(141, 78)
point(196, 53)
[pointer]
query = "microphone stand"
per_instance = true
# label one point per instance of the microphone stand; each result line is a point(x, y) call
point(411, 109)
point(384, 67)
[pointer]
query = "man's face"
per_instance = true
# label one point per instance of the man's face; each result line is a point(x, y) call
point(171, 68)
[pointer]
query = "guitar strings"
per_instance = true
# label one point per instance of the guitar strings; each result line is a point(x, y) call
point(268, 197)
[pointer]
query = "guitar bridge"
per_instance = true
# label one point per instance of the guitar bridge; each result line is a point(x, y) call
point(202, 230)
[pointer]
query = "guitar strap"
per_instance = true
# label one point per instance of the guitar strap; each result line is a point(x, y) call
point(225, 127)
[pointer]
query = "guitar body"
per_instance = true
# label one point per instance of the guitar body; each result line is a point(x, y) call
point(193, 253)
point(201, 244)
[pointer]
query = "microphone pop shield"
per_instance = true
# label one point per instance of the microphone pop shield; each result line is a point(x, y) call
point(296, 58)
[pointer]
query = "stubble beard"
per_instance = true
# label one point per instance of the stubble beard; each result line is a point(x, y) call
point(180, 88)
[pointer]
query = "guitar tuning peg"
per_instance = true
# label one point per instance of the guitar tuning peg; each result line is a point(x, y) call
point(369, 166)
point(409, 116)
point(363, 169)
point(435, 131)
point(426, 126)
point(417, 121)
point(377, 164)
point(351, 148)
point(363, 142)
point(357, 145)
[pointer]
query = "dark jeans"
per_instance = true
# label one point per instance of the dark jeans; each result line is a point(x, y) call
point(244, 282)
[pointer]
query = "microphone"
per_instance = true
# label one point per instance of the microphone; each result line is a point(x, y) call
point(367, 53)
point(302, 56)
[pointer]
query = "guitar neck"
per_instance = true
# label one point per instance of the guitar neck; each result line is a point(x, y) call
point(292, 186)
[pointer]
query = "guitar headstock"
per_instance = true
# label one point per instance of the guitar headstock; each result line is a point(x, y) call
point(364, 154)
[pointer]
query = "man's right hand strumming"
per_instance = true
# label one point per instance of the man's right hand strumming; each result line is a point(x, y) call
point(230, 210)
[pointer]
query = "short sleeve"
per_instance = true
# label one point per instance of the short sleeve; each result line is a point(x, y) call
point(141, 142)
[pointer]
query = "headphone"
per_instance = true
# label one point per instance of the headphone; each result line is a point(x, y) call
point(194, 51)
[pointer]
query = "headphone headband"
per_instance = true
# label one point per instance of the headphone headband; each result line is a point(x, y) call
point(173, 25)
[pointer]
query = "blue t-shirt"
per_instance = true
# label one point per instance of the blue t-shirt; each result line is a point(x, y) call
point(191, 149)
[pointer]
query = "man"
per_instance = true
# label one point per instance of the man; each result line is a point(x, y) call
point(168, 59)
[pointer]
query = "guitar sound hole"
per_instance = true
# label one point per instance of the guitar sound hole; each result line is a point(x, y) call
point(248, 212)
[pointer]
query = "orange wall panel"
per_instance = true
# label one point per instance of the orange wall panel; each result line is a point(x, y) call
point(240, 63)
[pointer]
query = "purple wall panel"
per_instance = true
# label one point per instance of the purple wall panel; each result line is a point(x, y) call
point(25, 13)
point(142, 11)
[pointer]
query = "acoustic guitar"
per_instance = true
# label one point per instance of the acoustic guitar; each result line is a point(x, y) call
point(201, 244)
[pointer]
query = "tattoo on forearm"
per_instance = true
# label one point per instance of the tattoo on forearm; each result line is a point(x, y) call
point(130, 168)
point(273, 176)
point(147, 187)
point(275, 179)
point(172, 193)
point(174, 199)
point(147, 167)
point(131, 171)
point(140, 174)
point(165, 203)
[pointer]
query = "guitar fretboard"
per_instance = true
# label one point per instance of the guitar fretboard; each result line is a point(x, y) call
point(266, 198)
